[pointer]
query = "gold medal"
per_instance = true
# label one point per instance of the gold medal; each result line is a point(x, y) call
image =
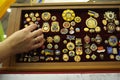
point(49, 46)
point(91, 22)
point(45, 27)
point(28, 19)
point(115, 51)
point(98, 39)
point(65, 50)
point(77, 19)
point(117, 57)
point(88, 51)
point(77, 58)
point(56, 38)
point(65, 57)
point(104, 22)
point(78, 41)
point(36, 14)
point(49, 39)
point(46, 16)
point(31, 14)
point(53, 18)
point(87, 39)
point(86, 29)
point(33, 18)
point(109, 15)
point(26, 15)
point(87, 56)
point(56, 46)
point(65, 41)
point(70, 46)
point(97, 29)
point(68, 15)
point(117, 22)
point(79, 51)
point(55, 26)
point(112, 56)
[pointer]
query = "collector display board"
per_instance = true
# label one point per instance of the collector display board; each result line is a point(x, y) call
point(77, 37)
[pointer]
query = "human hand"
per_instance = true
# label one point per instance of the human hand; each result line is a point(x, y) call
point(25, 40)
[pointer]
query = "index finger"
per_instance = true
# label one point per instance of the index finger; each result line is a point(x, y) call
point(31, 27)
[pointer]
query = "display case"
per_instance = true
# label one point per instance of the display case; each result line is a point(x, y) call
point(78, 37)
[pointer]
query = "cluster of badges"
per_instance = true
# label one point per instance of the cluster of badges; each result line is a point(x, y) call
point(71, 37)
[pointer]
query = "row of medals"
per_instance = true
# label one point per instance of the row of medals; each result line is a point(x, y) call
point(69, 48)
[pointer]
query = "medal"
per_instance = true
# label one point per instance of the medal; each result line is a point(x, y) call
point(56, 46)
point(49, 39)
point(57, 58)
point(46, 16)
point(117, 22)
point(53, 18)
point(70, 37)
point(115, 51)
point(71, 53)
point(57, 52)
point(45, 27)
point(77, 58)
point(65, 57)
point(49, 59)
point(36, 14)
point(79, 51)
point(70, 46)
point(72, 23)
point(33, 18)
point(93, 13)
point(92, 30)
point(28, 19)
point(102, 56)
point(86, 29)
point(48, 52)
point(117, 57)
point(93, 47)
point(109, 15)
point(111, 27)
point(35, 58)
point(78, 41)
point(100, 49)
point(71, 30)
point(31, 14)
point(98, 39)
point(97, 29)
point(86, 45)
point(65, 50)
point(55, 26)
point(66, 24)
point(65, 41)
point(109, 50)
point(93, 56)
point(118, 28)
point(87, 39)
point(64, 31)
point(87, 56)
point(77, 19)
point(112, 56)
point(104, 22)
point(113, 41)
point(49, 46)
point(56, 39)
point(77, 29)
point(26, 15)
point(68, 15)
point(91, 22)
point(88, 51)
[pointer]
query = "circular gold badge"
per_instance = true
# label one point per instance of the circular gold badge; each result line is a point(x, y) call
point(70, 45)
point(46, 16)
point(77, 58)
point(65, 57)
point(68, 15)
point(91, 22)
point(77, 19)
point(56, 38)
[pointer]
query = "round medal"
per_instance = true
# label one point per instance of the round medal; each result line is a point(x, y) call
point(77, 58)
point(71, 53)
point(66, 24)
point(70, 46)
point(113, 41)
point(46, 16)
point(91, 22)
point(49, 39)
point(56, 39)
point(31, 14)
point(77, 19)
point(53, 18)
point(36, 14)
point(65, 57)
point(64, 31)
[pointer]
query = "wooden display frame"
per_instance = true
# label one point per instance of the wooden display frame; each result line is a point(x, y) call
point(14, 23)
